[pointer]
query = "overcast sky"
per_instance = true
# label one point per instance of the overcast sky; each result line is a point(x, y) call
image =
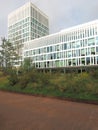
point(62, 13)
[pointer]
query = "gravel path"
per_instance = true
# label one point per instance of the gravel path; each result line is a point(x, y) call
point(23, 112)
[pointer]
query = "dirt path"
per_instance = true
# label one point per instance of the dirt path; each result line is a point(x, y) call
point(22, 112)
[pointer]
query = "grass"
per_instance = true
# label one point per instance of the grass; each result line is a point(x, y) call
point(72, 86)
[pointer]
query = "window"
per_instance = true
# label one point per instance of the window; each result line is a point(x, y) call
point(58, 55)
point(54, 55)
point(96, 50)
point(65, 46)
point(89, 51)
point(44, 49)
point(77, 52)
point(73, 44)
point(69, 62)
point(96, 40)
point(85, 42)
point(57, 48)
point(73, 62)
point(69, 53)
point(93, 50)
point(50, 48)
point(82, 52)
point(91, 31)
point(74, 53)
point(78, 44)
point(91, 41)
point(57, 63)
point(68, 45)
point(87, 60)
point(33, 52)
point(97, 59)
point(96, 31)
point(38, 51)
point(61, 63)
point(44, 57)
point(83, 61)
point(47, 49)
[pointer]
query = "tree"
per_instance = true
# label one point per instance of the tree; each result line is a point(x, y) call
point(8, 54)
point(27, 64)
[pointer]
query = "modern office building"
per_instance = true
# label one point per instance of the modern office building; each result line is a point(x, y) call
point(27, 23)
point(73, 47)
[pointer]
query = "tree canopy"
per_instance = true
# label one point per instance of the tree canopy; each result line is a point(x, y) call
point(8, 54)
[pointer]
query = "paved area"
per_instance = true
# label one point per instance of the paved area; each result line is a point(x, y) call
point(23, 112)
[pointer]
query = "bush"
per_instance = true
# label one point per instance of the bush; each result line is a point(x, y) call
point(94, 73)
point(4, 82)
point(13, 78)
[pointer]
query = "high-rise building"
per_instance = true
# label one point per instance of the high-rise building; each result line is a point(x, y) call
point(73, 47)
point(27, 23)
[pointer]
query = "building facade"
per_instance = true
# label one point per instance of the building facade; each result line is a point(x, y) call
point(27, 23)
point(72, 47)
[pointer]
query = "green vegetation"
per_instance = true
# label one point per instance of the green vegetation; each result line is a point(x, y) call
point(8, 54)
point(76, 86)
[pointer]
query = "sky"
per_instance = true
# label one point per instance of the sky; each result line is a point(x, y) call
point(62, 13)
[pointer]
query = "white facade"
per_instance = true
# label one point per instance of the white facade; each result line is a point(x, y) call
point(76, 46)
point(26, 23)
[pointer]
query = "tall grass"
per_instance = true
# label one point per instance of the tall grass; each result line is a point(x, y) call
point(80, 86)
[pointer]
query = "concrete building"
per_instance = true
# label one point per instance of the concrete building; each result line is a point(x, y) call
point(73, 47)
point(27, 23)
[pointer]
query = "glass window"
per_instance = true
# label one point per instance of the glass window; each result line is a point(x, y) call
point(96, 50)
point(50, 48)
point(93, 50)
point(61, 63)
point(89, 51)
point(73, 44)
point(74, 62)
point(54, 55)
point(82, 52)
point(69, 53)
point(77, 52)
point(57, 63)
point(91, 31)
point(65, 46)
point(58, 55)
point(87, 60)
point(83, 61)
point(85, 42)
point(30, 52)
point(96, 31)
point(47, 49)
point(57, 48)
point(74, 53)
point(68, 45)
point(88, 32)
point(78, 44)
point(44, 57)
point(91, 41)
point(97, 59)
point(33, 52)
point(38, 51)
point(44, 49)
point(96, 40)
point(69, 62)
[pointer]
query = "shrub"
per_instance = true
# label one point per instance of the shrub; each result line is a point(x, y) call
point(13, 80)
point(94, 73)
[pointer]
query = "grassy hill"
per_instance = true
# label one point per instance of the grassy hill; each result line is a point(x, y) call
point(75, 86)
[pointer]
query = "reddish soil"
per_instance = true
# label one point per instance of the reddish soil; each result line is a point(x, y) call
point(23, 112)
